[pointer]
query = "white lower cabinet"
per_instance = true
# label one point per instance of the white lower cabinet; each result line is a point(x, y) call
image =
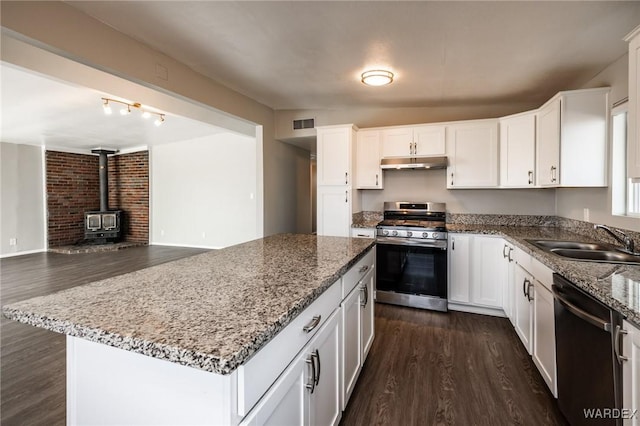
point(533, 314)
point(544, 335)
point(363, 232)
point(357, 325)
point(307, 392)
point(351, 341)
point(631, 374)
point(523, 312)
point(508, 269)
point(334, 210)
point(476, 273)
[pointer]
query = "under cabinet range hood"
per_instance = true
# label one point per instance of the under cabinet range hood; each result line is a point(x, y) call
point(414, 163)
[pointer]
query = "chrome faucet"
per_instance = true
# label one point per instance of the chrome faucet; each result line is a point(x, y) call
point(621, 237)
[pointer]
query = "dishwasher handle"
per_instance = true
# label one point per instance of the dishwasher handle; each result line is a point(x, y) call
point(591, 319)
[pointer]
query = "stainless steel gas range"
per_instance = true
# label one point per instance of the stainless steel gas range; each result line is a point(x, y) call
point(412, 255)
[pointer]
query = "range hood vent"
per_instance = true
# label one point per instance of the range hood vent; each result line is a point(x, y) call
point(307, 123)
point(414, 163)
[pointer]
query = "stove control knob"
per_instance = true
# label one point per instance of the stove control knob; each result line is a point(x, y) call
point(436, 236)
point(409, 233)
point(385, 232)
point(394, 233)
point(425, 235)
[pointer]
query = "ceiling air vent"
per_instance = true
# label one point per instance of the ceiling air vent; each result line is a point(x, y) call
point(307, 123)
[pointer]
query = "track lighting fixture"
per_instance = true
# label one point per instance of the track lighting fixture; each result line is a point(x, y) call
point(126, 109)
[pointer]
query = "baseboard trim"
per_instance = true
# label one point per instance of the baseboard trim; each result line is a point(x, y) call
point(21, 253)
point(472, 309)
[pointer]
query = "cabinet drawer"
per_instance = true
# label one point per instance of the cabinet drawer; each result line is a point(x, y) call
point(363, 232)
point(358, 271)
point(541, 273)
point(523, 259)
point(262, 370)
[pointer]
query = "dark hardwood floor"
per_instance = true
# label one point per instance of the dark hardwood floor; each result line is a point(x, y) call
point(32, 360)
point(430, 368)
point(425, 368)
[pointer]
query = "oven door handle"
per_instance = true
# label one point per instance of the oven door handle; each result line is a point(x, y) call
point(591, 319)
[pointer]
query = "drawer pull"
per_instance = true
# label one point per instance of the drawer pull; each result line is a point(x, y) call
point(616, 345)
point(316, 355)
point(364, 269)
point(312, 324)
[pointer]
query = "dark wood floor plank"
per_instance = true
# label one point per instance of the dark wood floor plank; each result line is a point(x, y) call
point(33, 361)
point(430, 368)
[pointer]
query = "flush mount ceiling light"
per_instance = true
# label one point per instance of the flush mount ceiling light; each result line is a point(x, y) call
point(126, 109)
point(377, 77)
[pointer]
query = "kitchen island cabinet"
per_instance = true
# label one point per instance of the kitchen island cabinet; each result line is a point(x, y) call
point(202, 340)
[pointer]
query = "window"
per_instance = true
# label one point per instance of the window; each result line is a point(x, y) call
point(625, 193)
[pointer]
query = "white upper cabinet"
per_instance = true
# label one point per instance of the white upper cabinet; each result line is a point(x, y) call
point(572, 139)
point(335, 145)
point(472, 148)
point(633, 155)
point(548, 146)
point(518, 150)
point(368, 171)
point(417, 141)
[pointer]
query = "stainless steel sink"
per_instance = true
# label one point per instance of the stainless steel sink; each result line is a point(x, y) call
point(598, 255)
point(553, 244)
point(589, 252)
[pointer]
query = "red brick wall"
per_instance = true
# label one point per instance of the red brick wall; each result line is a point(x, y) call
point(73, 187)
point(129, 191)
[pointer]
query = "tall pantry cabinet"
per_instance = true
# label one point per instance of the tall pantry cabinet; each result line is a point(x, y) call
point(336, 166)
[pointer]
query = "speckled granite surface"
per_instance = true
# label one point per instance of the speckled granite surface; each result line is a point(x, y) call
point(366, 219)
point(210, 311)
point(616, 285)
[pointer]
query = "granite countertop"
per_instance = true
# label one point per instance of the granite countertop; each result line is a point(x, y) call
point(616, 285)
point(211, 311)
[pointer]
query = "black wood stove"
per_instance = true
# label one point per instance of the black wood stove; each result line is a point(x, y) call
point(104, 225)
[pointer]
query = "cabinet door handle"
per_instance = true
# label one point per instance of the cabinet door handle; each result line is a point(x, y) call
point(312, 324)
point(504, 255)
point(410, 148)
point(365, 291)
point(451, 178)
point(530, 177)
point(525, 287)
point(553, 173)
point(529, 296)
point(312, 384)
point(509, 255)
point(346, 178)
point(364, 269)
point(453, 244)
point(316, 355)
point(346, 196)
point(376, 180)
point(616, 344)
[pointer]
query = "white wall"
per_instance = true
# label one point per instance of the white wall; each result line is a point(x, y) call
point(571, 202)
point(203, 192)
point(21, 199)
point(430, 185)
point(57, 27)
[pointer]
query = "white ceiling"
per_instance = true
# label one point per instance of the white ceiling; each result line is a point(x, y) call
point(38, 110)
point(305, 54)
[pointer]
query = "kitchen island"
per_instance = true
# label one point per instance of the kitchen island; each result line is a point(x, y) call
point(187, 341)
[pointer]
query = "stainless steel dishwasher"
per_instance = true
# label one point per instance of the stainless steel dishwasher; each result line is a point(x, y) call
point(588, 371)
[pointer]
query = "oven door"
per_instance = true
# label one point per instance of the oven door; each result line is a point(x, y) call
point(412, 269)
